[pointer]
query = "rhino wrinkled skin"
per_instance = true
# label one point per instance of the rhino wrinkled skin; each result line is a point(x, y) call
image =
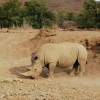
point(53, 55)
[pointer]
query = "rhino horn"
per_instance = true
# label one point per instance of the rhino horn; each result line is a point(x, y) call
point(29, 68)
point(28, 73)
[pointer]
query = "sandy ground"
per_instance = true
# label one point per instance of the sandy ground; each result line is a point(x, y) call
point(16, 47)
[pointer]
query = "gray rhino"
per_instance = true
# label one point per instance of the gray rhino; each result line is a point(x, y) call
point(53, 55)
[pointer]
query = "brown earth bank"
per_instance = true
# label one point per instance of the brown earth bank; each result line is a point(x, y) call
point(16, 47)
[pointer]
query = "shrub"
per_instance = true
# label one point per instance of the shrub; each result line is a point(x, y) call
point(90, 16)
point(37, 14)
point(10, 14)
point(62, 17)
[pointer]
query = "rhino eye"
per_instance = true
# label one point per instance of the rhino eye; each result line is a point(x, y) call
point(36, 58)
point(35, 69)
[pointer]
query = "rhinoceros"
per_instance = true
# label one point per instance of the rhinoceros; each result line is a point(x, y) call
point(53, 55)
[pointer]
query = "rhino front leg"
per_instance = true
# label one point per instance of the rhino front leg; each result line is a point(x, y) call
point(51, 69)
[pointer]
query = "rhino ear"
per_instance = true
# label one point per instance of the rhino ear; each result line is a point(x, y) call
point(32, 54)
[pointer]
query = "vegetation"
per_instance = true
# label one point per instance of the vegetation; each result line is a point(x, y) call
point(90, 16)
point(63, 16)
point(11, 13)
point(36, 14)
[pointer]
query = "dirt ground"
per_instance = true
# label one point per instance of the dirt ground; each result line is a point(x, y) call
point(16, 46)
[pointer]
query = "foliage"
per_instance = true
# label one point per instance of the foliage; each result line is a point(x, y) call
point(37, 14)
point(63, 16)
point(34, 12)
point(10, 14)
point(90, 16)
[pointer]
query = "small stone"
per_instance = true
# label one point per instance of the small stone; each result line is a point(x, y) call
point(8, 80)
point(7, 94)
point(2, 96)
point(35, 85)
point(20, 80)
point(95, 56)
point(17, 80)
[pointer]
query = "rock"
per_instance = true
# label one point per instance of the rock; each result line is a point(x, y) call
point(95, 56)
point(8, 80)
point(17, 80)
point(2, 96)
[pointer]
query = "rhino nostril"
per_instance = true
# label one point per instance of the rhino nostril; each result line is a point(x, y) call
point(33, 77)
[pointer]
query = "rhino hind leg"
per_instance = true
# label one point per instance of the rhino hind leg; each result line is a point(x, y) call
point(51, 69)
point(75, 68)
point(82, 68)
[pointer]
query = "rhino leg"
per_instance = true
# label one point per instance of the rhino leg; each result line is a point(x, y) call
point(51, 69)
point(82, 68)
point(75, 68)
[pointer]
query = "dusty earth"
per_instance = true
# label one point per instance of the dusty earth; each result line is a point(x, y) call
point(16, 46)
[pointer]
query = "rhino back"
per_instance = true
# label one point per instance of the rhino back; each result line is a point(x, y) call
point(63, 53)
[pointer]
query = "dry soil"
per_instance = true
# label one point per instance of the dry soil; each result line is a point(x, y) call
point(16, 46)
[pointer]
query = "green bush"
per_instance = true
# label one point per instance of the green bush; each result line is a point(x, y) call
point(10, 14)
point(37, 14)
point(34, 12)
point(63, 16)
point(90, 16)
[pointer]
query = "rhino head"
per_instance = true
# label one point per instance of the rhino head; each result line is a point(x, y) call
point(35, 71)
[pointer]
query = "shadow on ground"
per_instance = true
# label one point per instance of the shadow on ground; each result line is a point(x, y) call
point(45, 71)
